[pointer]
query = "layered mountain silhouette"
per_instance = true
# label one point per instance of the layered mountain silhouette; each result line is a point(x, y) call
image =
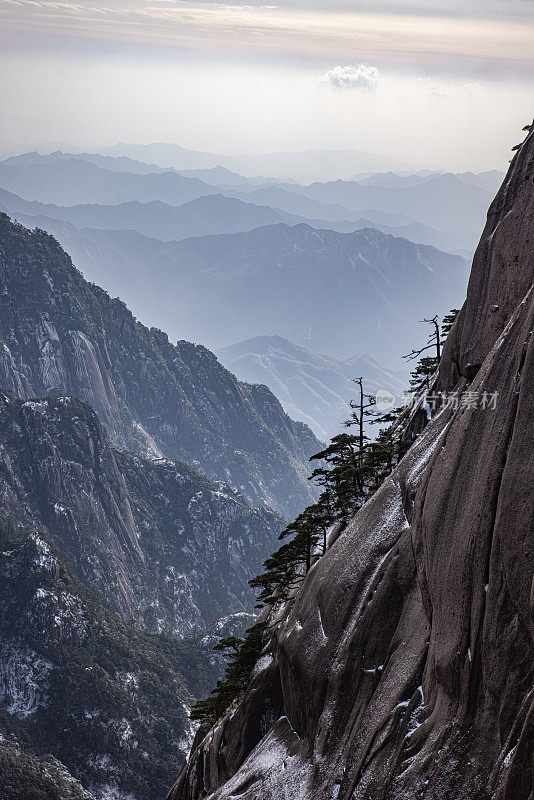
point(326, 291)
point(71, 181)
point(301, 166)
point(444, 210)
point(210, 214)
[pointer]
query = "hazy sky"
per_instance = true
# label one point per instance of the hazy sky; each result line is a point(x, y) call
point(446, 84)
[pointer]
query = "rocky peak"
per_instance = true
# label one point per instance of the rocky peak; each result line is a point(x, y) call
point(502, 271)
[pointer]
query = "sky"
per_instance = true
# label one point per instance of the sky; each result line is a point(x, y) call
point(440, 84)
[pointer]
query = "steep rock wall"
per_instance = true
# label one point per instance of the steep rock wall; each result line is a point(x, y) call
point(168, 548)
point(405, 666)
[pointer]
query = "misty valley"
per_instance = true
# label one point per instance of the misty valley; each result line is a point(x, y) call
point(266, 412)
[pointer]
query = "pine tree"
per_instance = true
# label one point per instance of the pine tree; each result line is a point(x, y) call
point(346, 477)
point(245, 653)
point(352, 467)
point(427, 365)
point(287, 567)
point(448, 321)
point(363, 409)
point(341, 474)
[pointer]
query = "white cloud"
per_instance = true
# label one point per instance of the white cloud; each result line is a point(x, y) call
point(352, 76)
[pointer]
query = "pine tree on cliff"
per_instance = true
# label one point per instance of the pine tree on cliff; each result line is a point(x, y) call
point(344, 472)
point(351, 469)
point(427, 365)
point(244, 655)
point(345, 476)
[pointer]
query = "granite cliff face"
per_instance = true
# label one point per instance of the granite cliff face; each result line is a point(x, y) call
point(404, 667)
point(60, 334)
point(169, 549)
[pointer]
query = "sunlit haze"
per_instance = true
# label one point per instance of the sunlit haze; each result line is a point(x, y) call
point(446, 88)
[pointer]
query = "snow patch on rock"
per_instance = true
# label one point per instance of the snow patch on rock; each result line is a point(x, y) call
point(24, 678)
point(274, 769)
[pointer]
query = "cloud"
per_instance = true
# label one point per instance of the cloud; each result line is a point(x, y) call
point(352, 76)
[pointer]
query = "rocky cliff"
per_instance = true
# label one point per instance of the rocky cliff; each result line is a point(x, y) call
point(169, 549)
point(404, 666)
point(60, 334)
point(118, 570)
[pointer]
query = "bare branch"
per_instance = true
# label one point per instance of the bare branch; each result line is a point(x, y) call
point(415, 353)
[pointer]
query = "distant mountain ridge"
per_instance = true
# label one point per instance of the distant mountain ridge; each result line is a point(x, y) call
point(211, 214)
point(450, 207)
point(74, 181)
point(444, 202)
point(312, 387)
point(326, 291)
point(304, 166)
point(113, 164)
point(206, 215)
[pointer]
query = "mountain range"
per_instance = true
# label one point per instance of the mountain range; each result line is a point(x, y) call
point(118, 562)
point(304, 166)
point(166, 548)
point(445, 210)
point(326, 291)
point(70, 181)
point(210, 214)
point(142, 483)
point(62, 334)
